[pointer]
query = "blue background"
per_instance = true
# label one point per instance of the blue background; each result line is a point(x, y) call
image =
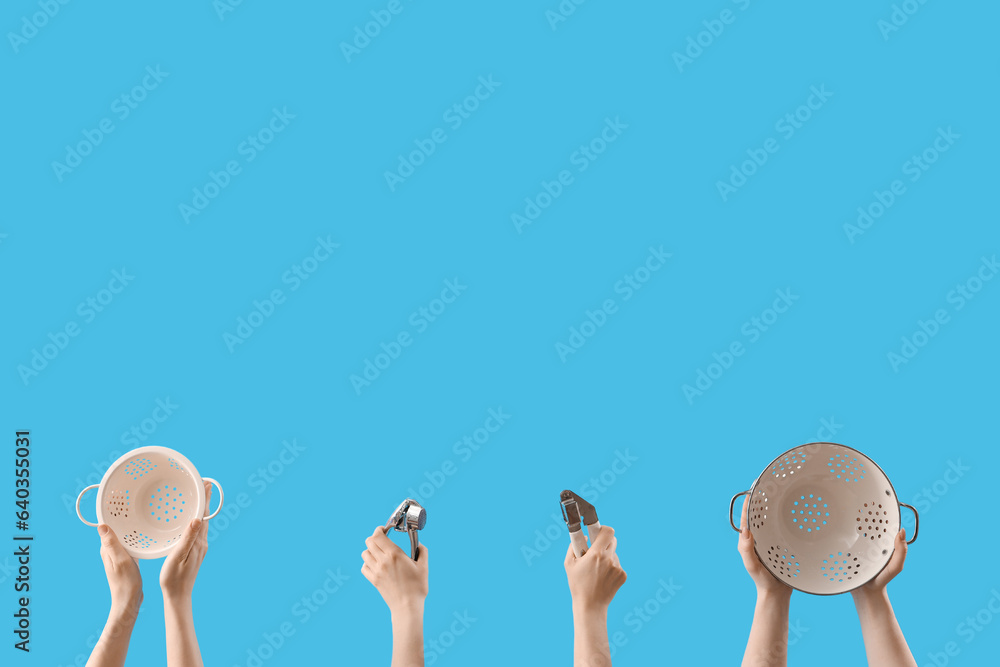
point(323, 175)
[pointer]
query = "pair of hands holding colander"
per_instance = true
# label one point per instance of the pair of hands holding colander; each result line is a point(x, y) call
point(177, 577)
point(767, 646)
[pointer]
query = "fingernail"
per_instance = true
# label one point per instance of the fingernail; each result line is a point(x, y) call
point(102, 530)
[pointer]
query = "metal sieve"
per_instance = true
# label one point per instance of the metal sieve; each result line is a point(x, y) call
point(824, 518)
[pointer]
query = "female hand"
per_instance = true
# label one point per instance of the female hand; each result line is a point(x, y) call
point(766, 582)
point(596, 576)
point(180, 569)
point(876, 586)
point(122, 571)
point(401, 581)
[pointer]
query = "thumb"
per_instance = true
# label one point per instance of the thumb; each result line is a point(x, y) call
point(108, 537)
point(189, 538)
point(111, 546)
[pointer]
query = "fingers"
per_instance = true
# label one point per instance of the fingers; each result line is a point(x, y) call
point(368, 558)
point(189, 538)
point(203, 532)
point(743, 516)
point(604, 538)
point(895, 565)
point(111, 545)
point(368, 573)
point(570, 557)
point(378, 543)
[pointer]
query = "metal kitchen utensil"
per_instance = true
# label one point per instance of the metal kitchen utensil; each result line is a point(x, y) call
point(823, 517)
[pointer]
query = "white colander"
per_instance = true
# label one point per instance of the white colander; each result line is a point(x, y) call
point(148, 497)
point(824, 518)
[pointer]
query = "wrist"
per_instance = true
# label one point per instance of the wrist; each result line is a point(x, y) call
point(866, 598)
point(176, 601)
point(777, 596)
point(590, 609)
point(407, 609)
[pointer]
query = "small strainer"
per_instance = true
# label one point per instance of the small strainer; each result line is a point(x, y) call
point(824, 518)
point(148, 496)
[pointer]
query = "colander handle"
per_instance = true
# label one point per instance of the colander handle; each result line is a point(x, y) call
point(732, 504)
point(916, 522)
point(222, 496)
point(79, 498)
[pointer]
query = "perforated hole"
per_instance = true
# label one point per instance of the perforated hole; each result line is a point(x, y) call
point(846, 467)
point(873, 520)
point(138, 468)
point(758, 510)
point(118, 504)
point(782, 563)
point(138, 541)
point(166, 504)
point(810, 513)
point(788, 464)
point(175, 465)
point(840, 567)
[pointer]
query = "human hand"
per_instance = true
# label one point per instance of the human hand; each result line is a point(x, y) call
point(401, 581)
point(122, 571)
point(596, 576)
point(180, 569)
point(767, 583)
point(876, 587)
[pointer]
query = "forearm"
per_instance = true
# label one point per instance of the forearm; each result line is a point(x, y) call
point(112, 647)
point(768, 642)
point(182, 642)
point(590, 638)
point(885, 645)
point(408, 636)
